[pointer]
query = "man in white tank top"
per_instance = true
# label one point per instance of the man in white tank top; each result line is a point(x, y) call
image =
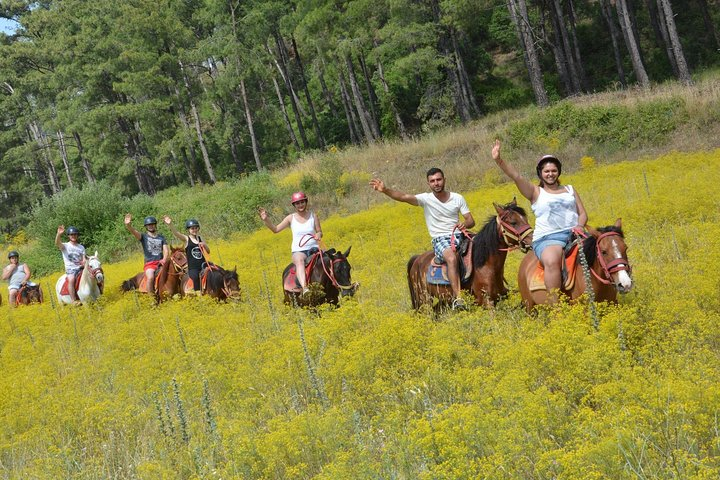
point(442, 211)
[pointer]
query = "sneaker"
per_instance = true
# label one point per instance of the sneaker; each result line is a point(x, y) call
point(305, 292)
point(459, 304)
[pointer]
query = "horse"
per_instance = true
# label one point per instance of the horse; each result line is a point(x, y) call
point(328, 278)
point(606, 254)
point(29, 293)
point(507, 230)
point(215, 282)
point(167, 277)
point(90, 285)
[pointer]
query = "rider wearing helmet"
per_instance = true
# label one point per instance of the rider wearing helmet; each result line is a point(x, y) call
point(306, 231)
point(154, 245)
point(442, 210)
point(195, 249)
point(558, 211)
point(17, 274)
point(73, 256)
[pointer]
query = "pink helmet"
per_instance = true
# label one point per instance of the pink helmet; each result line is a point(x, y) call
point(298, 197)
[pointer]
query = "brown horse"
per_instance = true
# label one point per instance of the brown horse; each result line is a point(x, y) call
point(167, 277)
point(606, 254)
point(507, 230)
point(216, 282)
point(328, 279)
point(29, 293)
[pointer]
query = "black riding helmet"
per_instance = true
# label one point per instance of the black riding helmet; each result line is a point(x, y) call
point(192, 223)
point(72, 230)
point(149, 221)
point(548, 159)
point(13, 253)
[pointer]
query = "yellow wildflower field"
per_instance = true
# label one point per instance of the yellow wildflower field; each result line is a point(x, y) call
point(196, 389)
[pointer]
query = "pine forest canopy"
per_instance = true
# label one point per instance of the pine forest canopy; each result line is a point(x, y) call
point(149, 94)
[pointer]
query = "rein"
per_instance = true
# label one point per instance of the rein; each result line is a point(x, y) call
point(330, 272)
point(453, 244)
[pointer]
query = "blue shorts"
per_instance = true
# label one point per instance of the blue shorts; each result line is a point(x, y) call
point(557, 238)
point(440, 244)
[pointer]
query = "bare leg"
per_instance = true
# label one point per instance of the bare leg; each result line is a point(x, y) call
point(298, 259)
point(451, 260)
point(552, 258)
point(150, 280)
point(71, 287)
point(13, 297)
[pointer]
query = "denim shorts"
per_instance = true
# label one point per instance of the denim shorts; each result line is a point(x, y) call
point(557, 238)
point(440, 244)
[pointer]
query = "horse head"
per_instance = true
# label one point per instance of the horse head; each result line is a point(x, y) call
point(178, 259)
point(513, 225)
point(610, 251)
point(94, 267)
point(341, 272)
point(231, 283)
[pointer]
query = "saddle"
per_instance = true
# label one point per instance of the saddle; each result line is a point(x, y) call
point(569, 271)
point(142, 285)
point(437, 273)
point(291, 282)
point(64, 289)
point(188, 285)
point(29, 287)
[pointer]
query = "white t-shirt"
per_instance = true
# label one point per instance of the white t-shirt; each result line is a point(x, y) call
point(301, 234)
point(73, 255)
point(441, 217)
point(554, 212)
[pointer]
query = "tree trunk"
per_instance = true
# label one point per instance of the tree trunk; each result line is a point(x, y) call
point(286, 118)
point(311, 106)
point(198, 126)
point(41, 140)
point(563, 43)
point(355, 136)
point(372, 98)
point(40, 169)
point(363, 114)
point(294, 101)
point(391, 101)
point(236, 158)
point(251, 129)
point(657, 18)
point(709, 24)
point(187, 165)
point(676, 46)
point(631, 44)
point(607, 14)
point(189, 142)
point(584, 85)
point(83, 161)
point(466, 87)
point(64, 157)
point(519, 16)
point(326, 91)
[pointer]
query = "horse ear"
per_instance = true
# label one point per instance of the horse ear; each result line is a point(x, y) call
point(498, 208)
point(235, 269)
point(347, 253)
point(96, 254)
point(592, 231)
point(618, 223)
point(514, 201)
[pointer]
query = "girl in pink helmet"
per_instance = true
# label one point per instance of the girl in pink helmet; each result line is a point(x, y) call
point(306, 231)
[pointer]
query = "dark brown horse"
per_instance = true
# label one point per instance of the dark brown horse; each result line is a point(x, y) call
point(29, 293)
point(506, 230)
point(328, 279)
point(167, 277)
point(606, 254)
point(216, 282)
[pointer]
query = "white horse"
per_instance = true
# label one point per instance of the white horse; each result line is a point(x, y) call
point(92, 280)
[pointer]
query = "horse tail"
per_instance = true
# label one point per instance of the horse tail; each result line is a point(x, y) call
point(414, 300)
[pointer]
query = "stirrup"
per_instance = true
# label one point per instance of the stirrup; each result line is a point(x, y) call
point(459, 304)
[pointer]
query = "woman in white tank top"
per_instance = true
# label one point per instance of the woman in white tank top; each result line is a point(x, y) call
point(558, 210)
point(306, 230)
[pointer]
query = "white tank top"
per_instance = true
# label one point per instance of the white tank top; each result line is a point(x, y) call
point(554, 212)
point(301, 234)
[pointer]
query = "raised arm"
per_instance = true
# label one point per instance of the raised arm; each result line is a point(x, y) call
point(379, 185)
point(58, 237)
point(178, 235)
point(285, 223)
point(527, 189)
point(130, 228)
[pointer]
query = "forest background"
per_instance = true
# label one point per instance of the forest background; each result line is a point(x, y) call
point(151, 102)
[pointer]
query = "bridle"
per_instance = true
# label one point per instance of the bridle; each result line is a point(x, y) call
point(330, 272)
point(513, 237)
point(608, 268)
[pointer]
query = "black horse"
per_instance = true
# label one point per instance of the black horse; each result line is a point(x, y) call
point(328, 279)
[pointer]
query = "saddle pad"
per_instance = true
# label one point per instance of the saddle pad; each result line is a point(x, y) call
point(537, 279)
point(291, 283)
point(437, 274)
point(64, 289)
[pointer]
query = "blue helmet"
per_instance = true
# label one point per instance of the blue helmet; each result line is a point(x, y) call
point(150, 220)
point(13, 253)
point(192, 223)
point(72, 230)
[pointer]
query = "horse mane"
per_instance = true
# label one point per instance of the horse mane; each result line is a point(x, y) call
point(217, 276)
point(486, 241)
point(590, 243)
